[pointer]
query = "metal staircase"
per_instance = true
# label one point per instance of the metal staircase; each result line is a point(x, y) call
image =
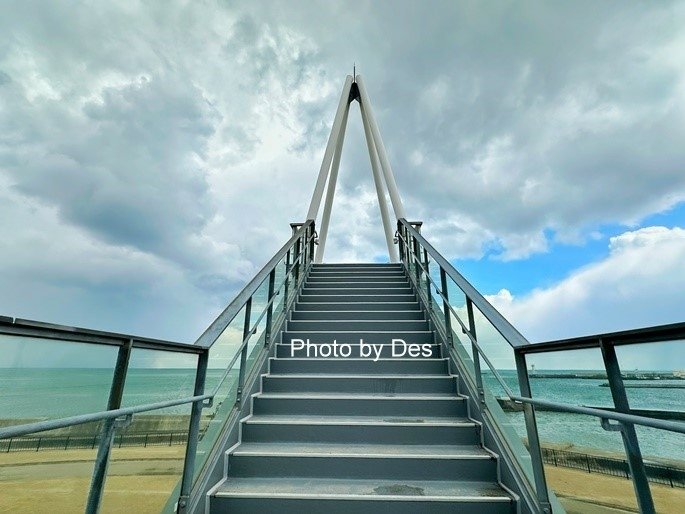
point(357, 435)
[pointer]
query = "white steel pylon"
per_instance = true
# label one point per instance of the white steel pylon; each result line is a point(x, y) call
point(383, 177)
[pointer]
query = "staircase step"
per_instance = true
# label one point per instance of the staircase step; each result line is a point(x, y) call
point(409, 405)
point(323, 265)
point(371, 461)
point(293, 495)
point(361, 429)
point(340, 305)
point(358, 274)
point(359, 366)
point(286, 351)
point(357, 315)
point(355, 279)
point(356, 291)
point(354, 336)
point(346, 325)
point(372, 384)
point(359, 298)
point(351, 287)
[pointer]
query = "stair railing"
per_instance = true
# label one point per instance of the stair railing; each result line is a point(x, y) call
point(290, 264)
point(416, 254)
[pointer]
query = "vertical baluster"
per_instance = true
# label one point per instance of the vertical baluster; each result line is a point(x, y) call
point(311, 241)
point(270, 309)
point(193, 432)
point(416, 263)
point(428, 282)
point(474, 351)
point(532, 432)
point(116, 393)
point(630, 442)
point(243, 354)
point(445, 306)
point(287, 279)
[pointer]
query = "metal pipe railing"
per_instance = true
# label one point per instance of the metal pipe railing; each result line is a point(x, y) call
point(301, 244)
point(410, 242)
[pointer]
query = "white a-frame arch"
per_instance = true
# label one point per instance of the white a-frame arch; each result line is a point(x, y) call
point(383, 177)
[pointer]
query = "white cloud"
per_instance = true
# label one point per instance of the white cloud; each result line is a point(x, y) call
point(640, 283)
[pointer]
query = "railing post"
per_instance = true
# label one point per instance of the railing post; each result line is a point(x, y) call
point(295, 258)
point(193, 433)
point(243, 353)
point(628, 433)
point(286, 283)
point(400, 242)
point(475, 352)
point(533, 437)
point(312, 228)
point(429, 300)
point(446, 306)
point(415, 244)
point(270, 310)
point(116, 393)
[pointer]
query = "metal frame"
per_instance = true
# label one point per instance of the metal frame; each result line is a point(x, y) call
point(383, 177)
point(301, 244)
point(410, 240)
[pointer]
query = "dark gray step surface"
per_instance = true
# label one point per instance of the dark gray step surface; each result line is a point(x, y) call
point(383, 384)
point(356, 291)
point(369, 325)
point(358, 274)
point(325, 350)
point(327, 404)
point(358, 315)
point(355, 287)
point(338, 305)
point(358, 298)
point(353, 366)
point(355, 336)
point(369, 461)
point(294, 495)
point(357, 265)
point(354, 279)
point(361, 430)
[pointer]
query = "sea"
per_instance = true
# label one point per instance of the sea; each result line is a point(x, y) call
point(32, 393)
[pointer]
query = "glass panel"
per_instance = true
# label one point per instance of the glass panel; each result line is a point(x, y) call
point(147, 456)
point(575, 445)
point(46, 379)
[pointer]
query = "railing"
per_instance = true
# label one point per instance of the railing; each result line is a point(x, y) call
point(450, 298)
point(273, 289)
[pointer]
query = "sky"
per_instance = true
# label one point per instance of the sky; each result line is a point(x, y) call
point(153, 154)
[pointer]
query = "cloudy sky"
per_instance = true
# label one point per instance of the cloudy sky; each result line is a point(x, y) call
point(152, 154)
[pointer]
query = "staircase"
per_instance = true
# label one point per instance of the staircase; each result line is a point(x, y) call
point(351, 435)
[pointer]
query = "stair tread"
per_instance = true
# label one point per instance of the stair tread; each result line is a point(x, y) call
point(360, 376)
point(276, 419)
point(315, 488)
point(363, 450)
point(363, 396)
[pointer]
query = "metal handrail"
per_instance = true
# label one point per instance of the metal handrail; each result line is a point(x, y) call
point(211, 334)
point(510, 334)
point(302, 243)
point(521, 347)
point(652, 334)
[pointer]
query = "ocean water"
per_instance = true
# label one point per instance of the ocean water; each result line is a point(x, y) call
point(52, 393)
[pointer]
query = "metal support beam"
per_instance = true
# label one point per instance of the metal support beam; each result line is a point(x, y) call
point(116, 393)
point(533, 437)
point(328, 154)
point(378, 182)
point(385, 163)
point(330, 193)
point(193, 433)
point(630, 442)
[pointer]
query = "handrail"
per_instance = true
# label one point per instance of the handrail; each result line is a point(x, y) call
point(510, 334)
point(622, 414)
point(655, 334)
point(41, 426)
point(210, 335)
point(51, 331)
